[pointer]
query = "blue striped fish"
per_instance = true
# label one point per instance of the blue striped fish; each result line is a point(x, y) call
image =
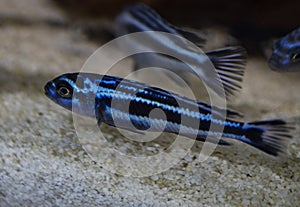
point(286, 53)
point(229, 62)
point(104, 98)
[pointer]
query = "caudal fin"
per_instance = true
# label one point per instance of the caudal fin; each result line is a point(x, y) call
point(272, 136)
point(229, 63)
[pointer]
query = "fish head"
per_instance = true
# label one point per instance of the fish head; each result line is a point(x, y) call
point(73, 91)
point(286, 53)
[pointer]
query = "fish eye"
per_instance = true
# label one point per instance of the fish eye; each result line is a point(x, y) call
point(295, 56)
point(64, 92)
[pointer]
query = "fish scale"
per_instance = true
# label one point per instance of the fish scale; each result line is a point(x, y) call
point(151, 97)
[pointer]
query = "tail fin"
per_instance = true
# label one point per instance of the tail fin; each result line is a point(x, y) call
point(229, 63)
point(271, 136)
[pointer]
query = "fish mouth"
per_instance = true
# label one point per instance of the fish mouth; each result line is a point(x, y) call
point(49, 90)
point(274, 64)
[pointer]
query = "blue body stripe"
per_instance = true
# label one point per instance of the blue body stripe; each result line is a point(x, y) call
point(127, 95)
